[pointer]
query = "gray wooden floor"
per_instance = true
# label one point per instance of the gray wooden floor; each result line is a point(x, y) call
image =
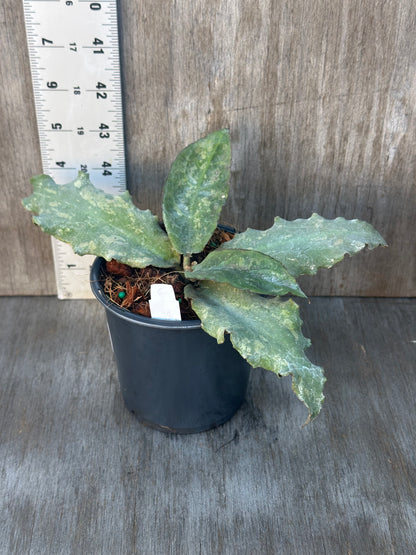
point(80, 475)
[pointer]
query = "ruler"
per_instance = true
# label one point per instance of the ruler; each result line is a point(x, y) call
point(74, 59)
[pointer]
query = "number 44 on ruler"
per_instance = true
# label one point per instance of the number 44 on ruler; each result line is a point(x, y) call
point(74, 59)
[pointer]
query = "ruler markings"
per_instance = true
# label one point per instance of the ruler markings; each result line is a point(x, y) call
point(64, 38)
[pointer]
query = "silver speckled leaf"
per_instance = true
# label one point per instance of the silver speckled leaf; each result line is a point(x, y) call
point(247, 269)
point(94, 222)
point(196, 190)
point(265, 331)
point(304, 246)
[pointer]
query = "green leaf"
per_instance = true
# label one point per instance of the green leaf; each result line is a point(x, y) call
point(246, 269)
point(94, 222)
point(303, 246)
point(265, 331)
point(196, 190)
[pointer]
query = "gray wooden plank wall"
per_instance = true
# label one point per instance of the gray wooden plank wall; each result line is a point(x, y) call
point(80, 475)
point(319, 96)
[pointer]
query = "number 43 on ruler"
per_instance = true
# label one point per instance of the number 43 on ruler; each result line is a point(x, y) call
point(74, 59)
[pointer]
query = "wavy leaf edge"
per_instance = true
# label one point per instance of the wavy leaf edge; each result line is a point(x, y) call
point(241, 239)
point(303, 372)
point(123, 227)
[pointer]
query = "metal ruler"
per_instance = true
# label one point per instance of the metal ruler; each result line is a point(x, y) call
point(74, 58)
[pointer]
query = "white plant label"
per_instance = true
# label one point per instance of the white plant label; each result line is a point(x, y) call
point(74, 58)
point(163, 303)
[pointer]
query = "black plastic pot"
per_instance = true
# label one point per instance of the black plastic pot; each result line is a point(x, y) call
point(173, 376)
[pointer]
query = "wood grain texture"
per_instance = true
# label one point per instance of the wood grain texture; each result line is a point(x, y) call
point(79, 474)
point(320, 102)
point(25, 251)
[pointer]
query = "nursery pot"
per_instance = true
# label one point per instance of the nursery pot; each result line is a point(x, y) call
point(173, 376)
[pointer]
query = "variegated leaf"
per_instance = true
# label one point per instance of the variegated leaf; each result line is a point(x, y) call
point(246, 269)
point(196, 190)
point(304, 246)
point(94, 222)
point(265, 331)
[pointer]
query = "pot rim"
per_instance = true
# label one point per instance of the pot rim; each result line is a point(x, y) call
point(130, 316)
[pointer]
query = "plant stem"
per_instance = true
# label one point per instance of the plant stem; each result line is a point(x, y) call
point(187, 263)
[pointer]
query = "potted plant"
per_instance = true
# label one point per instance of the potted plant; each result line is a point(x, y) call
point(238, 291)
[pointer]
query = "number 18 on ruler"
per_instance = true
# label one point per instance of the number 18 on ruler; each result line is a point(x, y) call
point(74, 59)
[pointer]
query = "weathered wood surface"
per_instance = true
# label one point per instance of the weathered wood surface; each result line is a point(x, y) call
point(26, 254)
point(320, 102)
point(80, 475)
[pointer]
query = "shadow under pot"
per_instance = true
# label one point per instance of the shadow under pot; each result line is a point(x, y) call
point(173, 376)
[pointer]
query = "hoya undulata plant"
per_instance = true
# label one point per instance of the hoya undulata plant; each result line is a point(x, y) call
point(239, 287)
